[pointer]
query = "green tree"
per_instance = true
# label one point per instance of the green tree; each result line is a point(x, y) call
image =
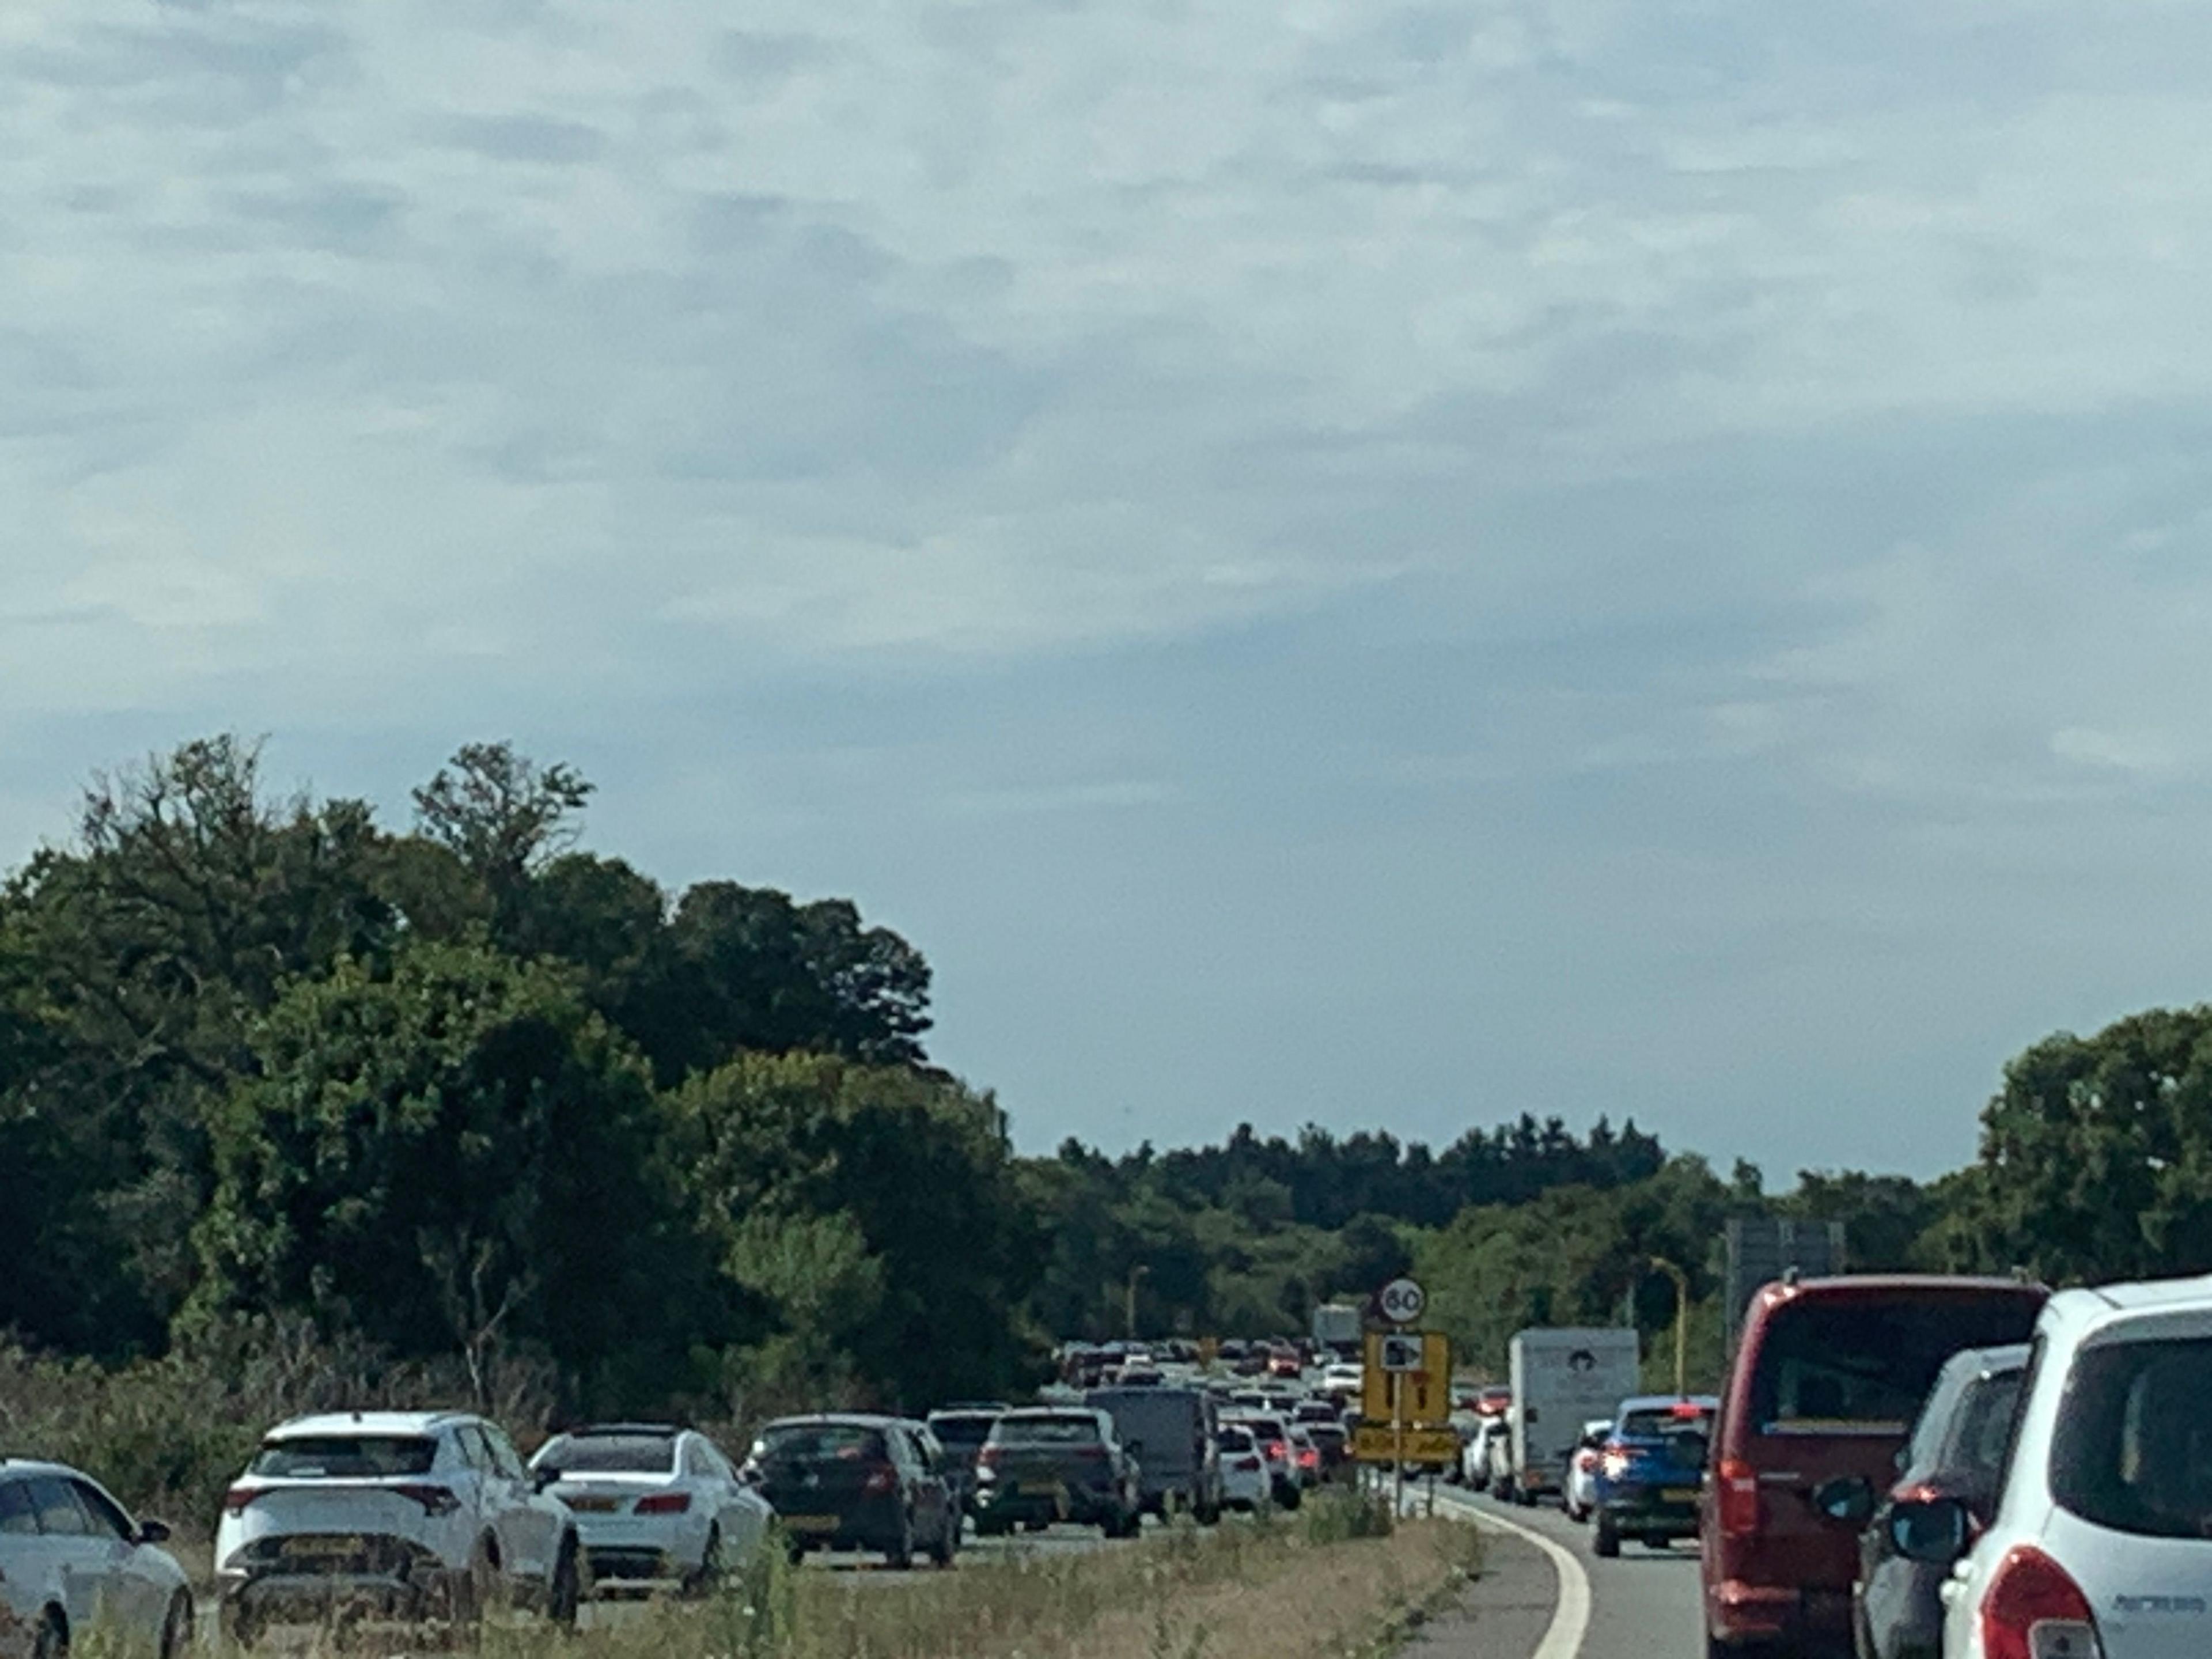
point(450, 1156)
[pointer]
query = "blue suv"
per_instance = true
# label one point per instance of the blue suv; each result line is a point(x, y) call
point(1648, 1474)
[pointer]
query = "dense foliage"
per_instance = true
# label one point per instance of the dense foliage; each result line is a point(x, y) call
point(467, 1101)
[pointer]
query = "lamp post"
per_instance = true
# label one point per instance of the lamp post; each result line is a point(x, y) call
point(1681, 1323)
point(1135, 1274)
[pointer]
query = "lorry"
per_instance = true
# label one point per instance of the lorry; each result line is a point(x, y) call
point(1563, 1376)
point(1338, 1327)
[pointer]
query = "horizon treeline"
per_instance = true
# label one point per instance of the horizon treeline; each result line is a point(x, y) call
point(466, 1092)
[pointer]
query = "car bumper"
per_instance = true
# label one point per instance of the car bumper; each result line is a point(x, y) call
point(1020, 1502)
point(280, 1597)
point(873, 1524)
point(1652, 1511)
point(1741, 1613)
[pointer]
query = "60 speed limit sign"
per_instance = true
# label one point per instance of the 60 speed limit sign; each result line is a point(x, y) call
point(1402, 1301)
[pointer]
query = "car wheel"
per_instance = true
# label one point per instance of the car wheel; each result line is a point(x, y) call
point(177, 1628)
point(53, 1639)
point(899, 1558)
point(1607, 1544)
point(566, 1593)
point(711, 1566)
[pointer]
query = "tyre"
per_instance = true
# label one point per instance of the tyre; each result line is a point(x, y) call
point(1607, 1543)
point(566, 1594)
point(177, 1629)
point(899, 1558)
point(53, 1638)
point(711, 1566)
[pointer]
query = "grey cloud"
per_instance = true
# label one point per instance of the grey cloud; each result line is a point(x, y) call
point(540, 140)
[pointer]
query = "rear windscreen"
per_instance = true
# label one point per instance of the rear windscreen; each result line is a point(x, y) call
point(1045, 1431)
point(1659, 1422)
point(2133, 1450)
point(1234, 1440)
point(962, 1431)
point(344, 1457)
point(1863, 1365)
point(611, 1454)
point(801, 1443)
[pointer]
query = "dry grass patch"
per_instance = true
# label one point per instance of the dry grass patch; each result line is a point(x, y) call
point(1313, 1588)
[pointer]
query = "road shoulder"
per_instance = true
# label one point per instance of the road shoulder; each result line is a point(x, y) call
point(1504, 1615)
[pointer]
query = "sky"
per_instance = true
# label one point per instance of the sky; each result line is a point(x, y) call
point(1366, 563)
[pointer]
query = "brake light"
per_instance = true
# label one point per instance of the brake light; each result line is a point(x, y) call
point(988, 1458)
point(881, 1478)
point(1738, 1485)
point(436, 1500)
point(1309, 1458)
point(2032, 1610)
point(664, 1503)
point(1277, 1450)
point(1616, 1461)
point(238, 1499)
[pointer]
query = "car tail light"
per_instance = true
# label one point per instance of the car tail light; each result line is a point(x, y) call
point(2032, 1610)
point(239, 1498)
point(434, 1500)
point(664, 1503)
point(1616, 1461)
point(1277, 1450)
point(1309, 1458)
point(1738, 1484)
point(988, 1458)
point(881, 1478)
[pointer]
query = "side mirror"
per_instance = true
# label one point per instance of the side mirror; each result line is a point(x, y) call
point(154, 1532)
point(1850, 1500)
point(1933, 1529)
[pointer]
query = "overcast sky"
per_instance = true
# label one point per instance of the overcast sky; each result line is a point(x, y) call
point(1329, 560)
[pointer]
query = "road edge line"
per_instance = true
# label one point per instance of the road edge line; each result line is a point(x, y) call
point(1569, 1626)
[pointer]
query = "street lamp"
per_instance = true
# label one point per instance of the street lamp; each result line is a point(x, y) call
point(1681, 1323)
point(1135, 1274)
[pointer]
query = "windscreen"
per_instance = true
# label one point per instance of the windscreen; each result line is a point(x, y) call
point(804, 1443)
point(1234, 1440)
point(611, 1454)
point(1863, 1365)
point(1045, 1431)
point(344, 1457)
point(2133, 1450)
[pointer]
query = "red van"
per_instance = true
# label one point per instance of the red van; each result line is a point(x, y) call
point(1828, 1379)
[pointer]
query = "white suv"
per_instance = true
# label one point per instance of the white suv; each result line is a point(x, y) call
point(2101, 1544)
point(404, 1515)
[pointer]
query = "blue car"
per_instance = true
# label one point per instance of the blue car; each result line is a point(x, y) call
point(1649, 1472)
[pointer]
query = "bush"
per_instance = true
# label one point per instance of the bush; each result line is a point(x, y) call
point(1338, 1517)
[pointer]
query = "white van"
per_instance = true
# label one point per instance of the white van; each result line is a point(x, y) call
point(1561, 1377)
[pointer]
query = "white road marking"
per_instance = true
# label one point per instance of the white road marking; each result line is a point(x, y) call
point(1570, 1619)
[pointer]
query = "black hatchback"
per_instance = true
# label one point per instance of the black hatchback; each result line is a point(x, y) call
point(1956, 1453)
point(852, 1482)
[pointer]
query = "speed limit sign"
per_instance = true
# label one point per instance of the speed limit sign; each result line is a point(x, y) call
point(1402, 1301)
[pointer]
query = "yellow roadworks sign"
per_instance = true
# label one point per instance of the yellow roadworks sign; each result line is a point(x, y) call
point(1427, 1388)
point(1377, 1443)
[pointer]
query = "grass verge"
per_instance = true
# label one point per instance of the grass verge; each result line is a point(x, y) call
point(1328, 1583)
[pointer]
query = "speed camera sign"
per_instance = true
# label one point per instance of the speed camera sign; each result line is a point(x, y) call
point(1402, 1301)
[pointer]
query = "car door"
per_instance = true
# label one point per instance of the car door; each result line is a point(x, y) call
point(530, 1523)
point(134, 1584)
point(82, 1560)
point(30, 1569)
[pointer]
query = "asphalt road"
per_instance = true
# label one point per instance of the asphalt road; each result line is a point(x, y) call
point(1642, 1606)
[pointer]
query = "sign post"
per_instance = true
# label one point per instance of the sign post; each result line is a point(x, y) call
point(1403, 1302)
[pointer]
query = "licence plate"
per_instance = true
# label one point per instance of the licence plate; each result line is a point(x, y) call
point(321, 1547)
point(811, 1522)
point(1680, 1494)
point(595, 1506)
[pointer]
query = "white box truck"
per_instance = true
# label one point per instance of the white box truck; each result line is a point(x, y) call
point(1338, 1327)
point(1561, 1377)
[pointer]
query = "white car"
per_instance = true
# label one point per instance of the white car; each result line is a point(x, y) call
point(2101, 1544)
point(1581, 1495)
point(1343, 1380)
point(1478, 1458)
point(654, 1504)
point(398, 1515)
point(72, 1559)
point(1244, 1482)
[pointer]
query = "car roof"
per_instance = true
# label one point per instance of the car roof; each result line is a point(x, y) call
point(408, 1423)
point(2086, 1311)
point(1849, 1287)
point(628, 1431)
point(851, 1419)
point(14, 1466)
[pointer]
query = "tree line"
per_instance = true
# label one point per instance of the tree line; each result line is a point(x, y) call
point(468, 1092)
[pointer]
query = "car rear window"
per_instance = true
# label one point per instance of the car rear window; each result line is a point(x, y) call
point(611, 1454)
point(1045, 1431)
point(2133, 1448)
point(963, 1430)
point(1862, 1365)
point(1657, 1422)
point(800, 1442)
point(1234, 1440)
point(1978, 1440)
point(344, 1457)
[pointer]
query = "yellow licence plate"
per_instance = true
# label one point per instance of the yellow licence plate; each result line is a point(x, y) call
point(307, 1546)
point(811, 1522)
point(1680, 1494)
point(595, 1506)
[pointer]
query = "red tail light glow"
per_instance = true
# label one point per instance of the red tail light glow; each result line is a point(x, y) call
point(664, 1503)
point(2032, 1610)
point(988, 1458)
point(1738, 1485)
point(238, 1499)
point(881, 1478)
